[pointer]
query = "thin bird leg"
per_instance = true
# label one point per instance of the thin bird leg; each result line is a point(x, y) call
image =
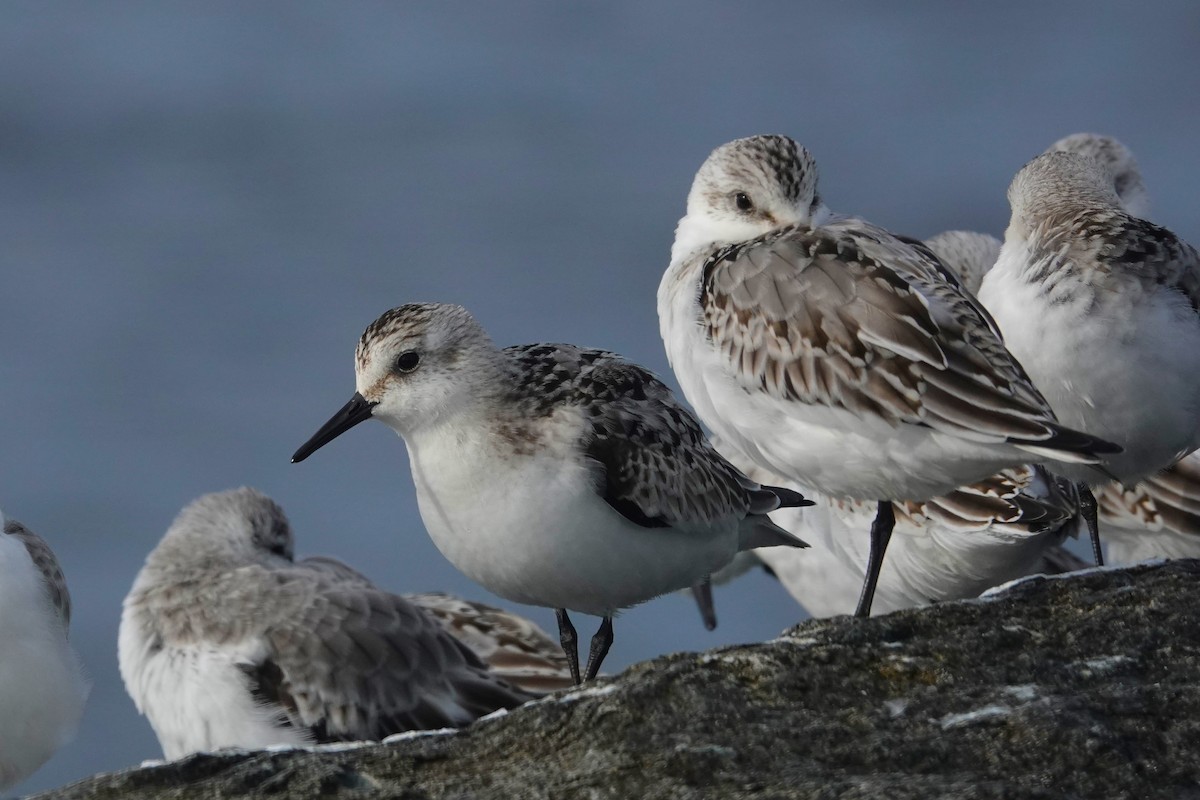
point(1087, 508)
point(569, 641)
point(702, 594)
point(600, 644)
point(881, 534)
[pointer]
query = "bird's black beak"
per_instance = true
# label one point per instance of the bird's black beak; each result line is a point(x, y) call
point(354, 412)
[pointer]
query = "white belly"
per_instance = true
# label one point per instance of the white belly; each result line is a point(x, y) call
point(1125, 368)
point(533, 530)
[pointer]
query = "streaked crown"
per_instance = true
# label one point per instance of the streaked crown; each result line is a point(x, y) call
point(749, 187)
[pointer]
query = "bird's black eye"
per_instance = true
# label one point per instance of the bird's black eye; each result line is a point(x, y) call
point(743, 201)
point(407, 361)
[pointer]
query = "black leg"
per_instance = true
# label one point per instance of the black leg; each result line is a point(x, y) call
point(702, 593)
point(600, 644)
point(881, 533)
point(1087, 508)
point(570, 642)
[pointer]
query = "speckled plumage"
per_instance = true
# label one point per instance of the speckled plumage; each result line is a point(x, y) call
point(226, 642)
point(552, 474)
point(658, 467)
point(1099, 306)
point(1159, 517)
point(837, 353)
point(514, 648)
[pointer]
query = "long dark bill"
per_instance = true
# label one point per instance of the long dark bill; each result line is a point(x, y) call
point(356, 411)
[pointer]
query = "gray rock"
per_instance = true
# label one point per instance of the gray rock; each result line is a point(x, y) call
point(1076, 687)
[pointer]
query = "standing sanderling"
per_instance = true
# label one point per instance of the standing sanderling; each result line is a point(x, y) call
point(552, 474)
point(952, 547)
point(225, 641)
point(832, 352)
point(1101, 307)
point(42, 685)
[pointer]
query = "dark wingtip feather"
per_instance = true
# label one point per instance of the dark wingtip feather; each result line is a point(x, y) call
point(1065, 440)
point(1087, 442)
point(789, 498)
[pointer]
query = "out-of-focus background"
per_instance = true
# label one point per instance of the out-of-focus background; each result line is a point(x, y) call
point(202, 206)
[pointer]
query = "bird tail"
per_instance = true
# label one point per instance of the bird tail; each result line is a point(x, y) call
point(759, 531)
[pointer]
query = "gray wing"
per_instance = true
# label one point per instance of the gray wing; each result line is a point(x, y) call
point(654, 464)
point(350, 662)
point(849, 316)
point(335, 568)
point(45, 562)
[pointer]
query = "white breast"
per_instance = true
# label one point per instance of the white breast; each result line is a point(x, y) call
point(530, 527)
point(1122, 365)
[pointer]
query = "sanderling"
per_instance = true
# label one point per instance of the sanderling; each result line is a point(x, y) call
point(971, 255)
point(1157, 518)
point(225, 641)
point(42, 684)
point(1100, 307)
point(952, 547)
point(552, 474)
point(835, 353)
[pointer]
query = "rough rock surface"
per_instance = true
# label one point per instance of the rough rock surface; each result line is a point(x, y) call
point(1078, 687)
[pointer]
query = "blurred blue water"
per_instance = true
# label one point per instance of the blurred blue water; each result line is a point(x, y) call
point(202, 205)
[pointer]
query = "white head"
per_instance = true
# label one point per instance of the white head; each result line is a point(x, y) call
point(415, 366)
point(1055, 185)
point(1127, 178)
point(236, 527)
point(747, 188)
